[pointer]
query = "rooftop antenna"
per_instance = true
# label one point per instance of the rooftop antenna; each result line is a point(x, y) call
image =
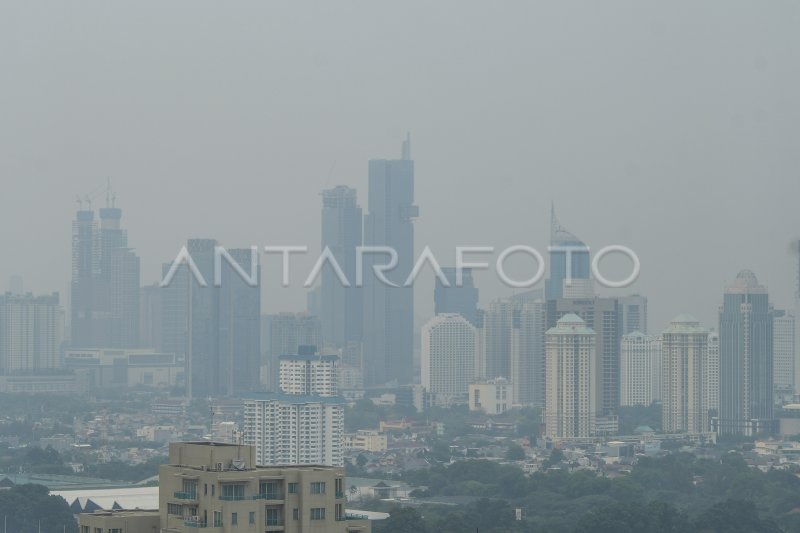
point(88, 201)
point(80, 202)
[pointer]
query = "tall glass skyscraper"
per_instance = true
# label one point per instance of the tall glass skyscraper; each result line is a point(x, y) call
point(342, 313)
point(389, 310)
point(746, 358)
point(562, 244)
point(105, 282)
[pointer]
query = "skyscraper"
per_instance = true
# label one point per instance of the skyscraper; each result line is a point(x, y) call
point(447, 357)
point(746, 358)
point(31, 332)
point(528, 361)
point(389, 310)
point(342, 313)
point(567, 253)
point(640, 370)
point(498, 321)
point(603, 316)
point(633, 310)
point(239, 353)
point(712, 374)
point(571, 400)
point(683, 397)
point(783, 347)
point(105, 282)
point(217, 327)
point(462, 300)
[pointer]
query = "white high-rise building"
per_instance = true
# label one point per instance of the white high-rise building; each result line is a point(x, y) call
point(640, 369)
point(295, 429)
point(447, 358)
point(572, 387)
point(684, 354)
point(783, 350)
point(309, 374)
point(712, 372)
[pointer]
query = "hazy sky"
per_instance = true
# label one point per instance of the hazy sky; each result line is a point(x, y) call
point(670, 127)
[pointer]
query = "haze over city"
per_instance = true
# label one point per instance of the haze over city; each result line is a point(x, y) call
point(677, 140)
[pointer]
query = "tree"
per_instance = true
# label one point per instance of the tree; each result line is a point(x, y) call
point(401, 520)
point(515, 453)
point(26, 507)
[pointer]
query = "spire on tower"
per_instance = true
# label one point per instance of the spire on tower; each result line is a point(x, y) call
point(406, 150)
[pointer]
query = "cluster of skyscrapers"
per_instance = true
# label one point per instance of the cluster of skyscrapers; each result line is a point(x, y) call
point(577, 355)
point(580, 357)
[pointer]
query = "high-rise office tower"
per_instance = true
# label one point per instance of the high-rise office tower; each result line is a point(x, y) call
point(239, 354)
point(462, 300)
point(150, 318)
point(288, 332)
point(498, 321)
point(31, 332)
point(683, 397)
point(571, 399)
point(85, 269)
point(528, 362)
point(342, 313)
point(124, 298)
point(567, 252)
point(712, 374)
point(174, 325)
point(603, 316)
point(633, 311)
point(640, 369)
point(202, 375)
point(783, 349)
point(215, 326)
point(745, 367)
point(105, 282)
point(447, 357)
point(389, 311)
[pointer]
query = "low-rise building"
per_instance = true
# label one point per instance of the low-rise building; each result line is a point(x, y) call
point(216, 485)
point(491, 396)
point(366, 440)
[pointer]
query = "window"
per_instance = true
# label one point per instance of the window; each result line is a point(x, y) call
point(217, 518)
point(212, 489)
point(252, 517)
point(84, 529)
point(293, 488)
point(189, 490)
point(318, 513)
point(269, 490)
point(234, 519)
point(114, 530)
point(318, 487)
point(273, 516)
point(174, 509)
point(232, 492)
point(205, 489)
point(295, 514)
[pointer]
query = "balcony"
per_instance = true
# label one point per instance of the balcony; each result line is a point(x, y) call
point(186, 495)
point(237, 498)
point(268, 496)
point(339, 495)
point(195, 524)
